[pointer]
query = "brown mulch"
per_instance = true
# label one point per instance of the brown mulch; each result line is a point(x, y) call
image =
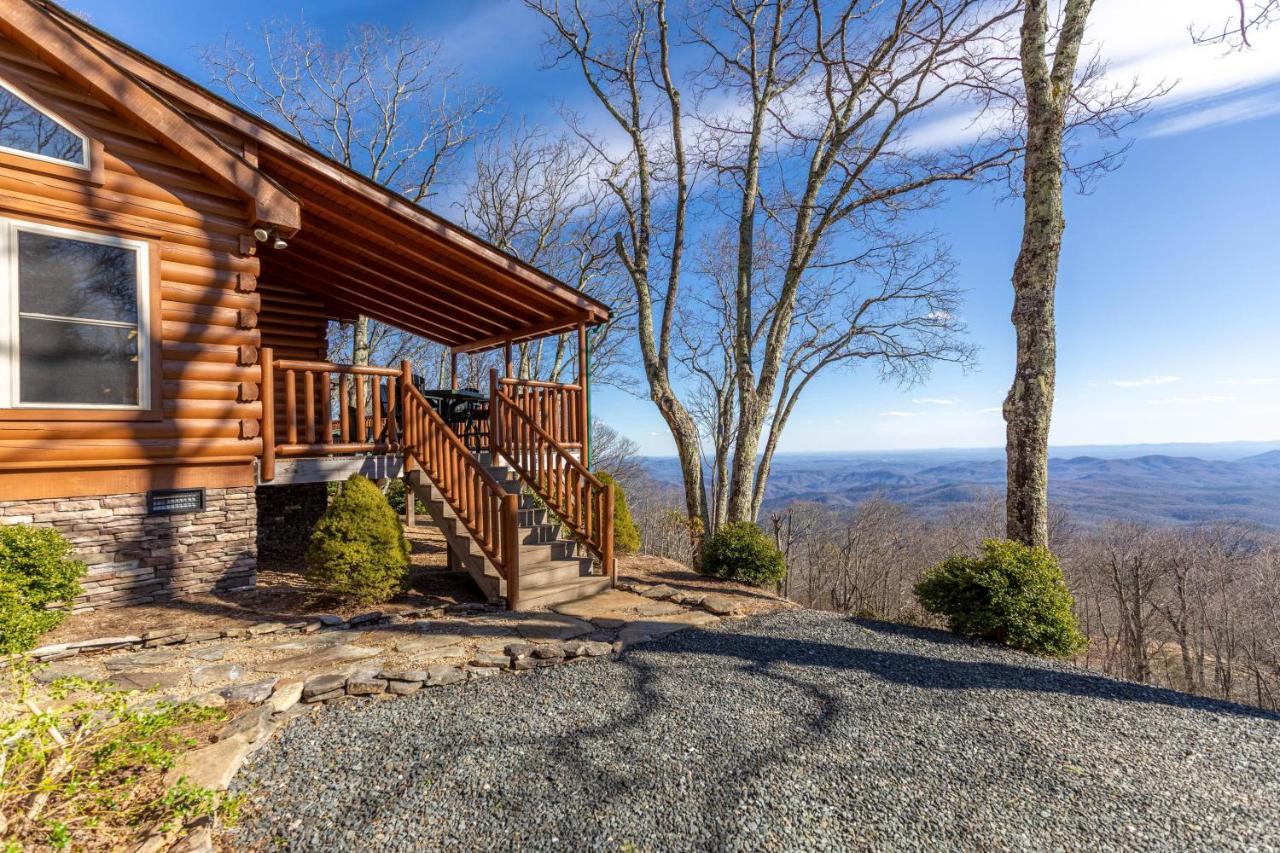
point(282, 595)
point(643, 568)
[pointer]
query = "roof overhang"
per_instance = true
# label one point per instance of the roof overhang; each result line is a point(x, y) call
point(367, 249)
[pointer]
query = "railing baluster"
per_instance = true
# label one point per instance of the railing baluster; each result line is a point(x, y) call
point(309, 389)
point(344, 406)
point(360, 420)
point(377, 409)
point(326, 407)
point(291, 406)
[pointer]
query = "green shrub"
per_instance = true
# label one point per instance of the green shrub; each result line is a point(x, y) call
point(397, 496)
point(741, 552)
point(626, 539)
point(358, 550)
point(36, 569)
point(1011, 594)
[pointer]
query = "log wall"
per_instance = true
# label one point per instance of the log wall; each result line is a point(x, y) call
point(207, 312)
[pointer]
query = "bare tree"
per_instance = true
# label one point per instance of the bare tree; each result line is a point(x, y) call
point(615, 453)
point(531, 196)
point(786, 122)
point(382, 104)
point(1246, 17)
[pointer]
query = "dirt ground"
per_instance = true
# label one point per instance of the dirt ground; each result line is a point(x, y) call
point(283, 595)
point(642, 568)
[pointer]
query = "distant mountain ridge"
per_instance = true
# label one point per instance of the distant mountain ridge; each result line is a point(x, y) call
point(1155, 487)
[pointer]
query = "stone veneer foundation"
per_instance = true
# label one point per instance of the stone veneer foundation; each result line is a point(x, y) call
point(135, 558)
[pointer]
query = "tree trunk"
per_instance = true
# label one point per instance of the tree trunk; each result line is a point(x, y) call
point(1029, 406)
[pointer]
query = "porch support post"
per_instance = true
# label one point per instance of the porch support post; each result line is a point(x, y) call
point(510, 362)
point(267, 394)
point(583, 379)
point(453, 371)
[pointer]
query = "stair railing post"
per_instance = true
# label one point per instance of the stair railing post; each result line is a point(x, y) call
point(406, 381)
point(511, 548)
point(494, 420)
point(606, 535)
point(268, 397)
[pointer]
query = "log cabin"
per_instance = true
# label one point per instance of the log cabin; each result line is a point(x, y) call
point(171, 264)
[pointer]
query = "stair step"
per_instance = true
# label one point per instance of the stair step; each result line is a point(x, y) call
point(538, 575)
point(561, 591)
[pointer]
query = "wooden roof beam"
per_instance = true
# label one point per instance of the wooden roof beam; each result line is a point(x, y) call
point(538, 330)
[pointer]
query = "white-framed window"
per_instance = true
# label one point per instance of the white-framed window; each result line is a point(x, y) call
point(29, 130)
point(76, 334)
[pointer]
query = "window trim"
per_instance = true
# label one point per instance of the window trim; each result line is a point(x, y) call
point(149, 365)
point(90, 171)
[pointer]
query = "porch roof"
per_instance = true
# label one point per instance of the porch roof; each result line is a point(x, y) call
point(367, 249)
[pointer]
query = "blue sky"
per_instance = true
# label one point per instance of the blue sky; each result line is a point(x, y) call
point(1168, 302)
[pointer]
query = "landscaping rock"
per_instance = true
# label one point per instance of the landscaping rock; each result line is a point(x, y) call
point(210, 653)
point(330, 620)
point(202, 636)
point(265, 628)
point(481, 671)
point(575, 649)
point(286, 694)
point(65, 669)
point(321, 687)
point(662, 590)
point(235, 633)
point(365, 618)
point(141, 660)
point(515, 651)
point(721, 605)
point(321, 659)
point(596, 648)
point(409, 675)
point(366, 683)
point(103, 643)
point(211, 766)
point(491, 660)
point(689, 599)
point(252, 725)
point(403, 688)
point(255, 693)
point(203, 676)
point(161, 634)
point(440, 675)
point(146, 679)
point(549, 651)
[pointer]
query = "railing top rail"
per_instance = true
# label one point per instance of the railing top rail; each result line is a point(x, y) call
point(330, 367)
point(452, 437)
point(538, 383)
point(573, 461)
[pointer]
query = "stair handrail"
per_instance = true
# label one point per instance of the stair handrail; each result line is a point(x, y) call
point(554, 474)
point(487, 510)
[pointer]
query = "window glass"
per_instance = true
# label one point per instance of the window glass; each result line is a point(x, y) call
point(24, 128)
point(76, 278)
point(62, 362)
point(78, 325)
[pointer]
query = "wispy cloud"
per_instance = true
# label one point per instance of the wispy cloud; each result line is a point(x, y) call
point(1255, 380)
point(1145, 381)
point(1219, 114)
point(934, 401)
point(898, 414)
point(1203, 399)
point(990, 410)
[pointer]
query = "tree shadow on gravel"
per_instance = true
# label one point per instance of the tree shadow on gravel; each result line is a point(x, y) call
point(935, 672)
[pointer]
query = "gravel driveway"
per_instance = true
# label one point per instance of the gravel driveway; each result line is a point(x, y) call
point(795, 731)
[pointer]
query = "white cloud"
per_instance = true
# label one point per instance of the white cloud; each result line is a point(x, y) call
point(1211, 399)
point(1256, 380)
point(935, 401)
point(898, 414)
point(1220, 114)
point(1145, 381)
point(990, 410)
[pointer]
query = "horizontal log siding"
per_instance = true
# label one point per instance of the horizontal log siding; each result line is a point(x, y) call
point(209, 306)
point(292, 322)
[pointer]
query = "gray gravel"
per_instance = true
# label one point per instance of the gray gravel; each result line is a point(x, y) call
point(795, 731)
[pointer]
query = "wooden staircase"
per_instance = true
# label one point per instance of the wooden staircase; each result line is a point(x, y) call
point(553, 569)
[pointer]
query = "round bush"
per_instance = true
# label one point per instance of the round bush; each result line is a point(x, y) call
point(36, 569)
point(358, 550)
point(1011, 594)
point(626, 539)
point(741, 552)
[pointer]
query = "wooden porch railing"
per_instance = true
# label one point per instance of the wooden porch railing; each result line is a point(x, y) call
point(582, 502)
point(298, 419)
point(485, 508)
point(560, 410)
